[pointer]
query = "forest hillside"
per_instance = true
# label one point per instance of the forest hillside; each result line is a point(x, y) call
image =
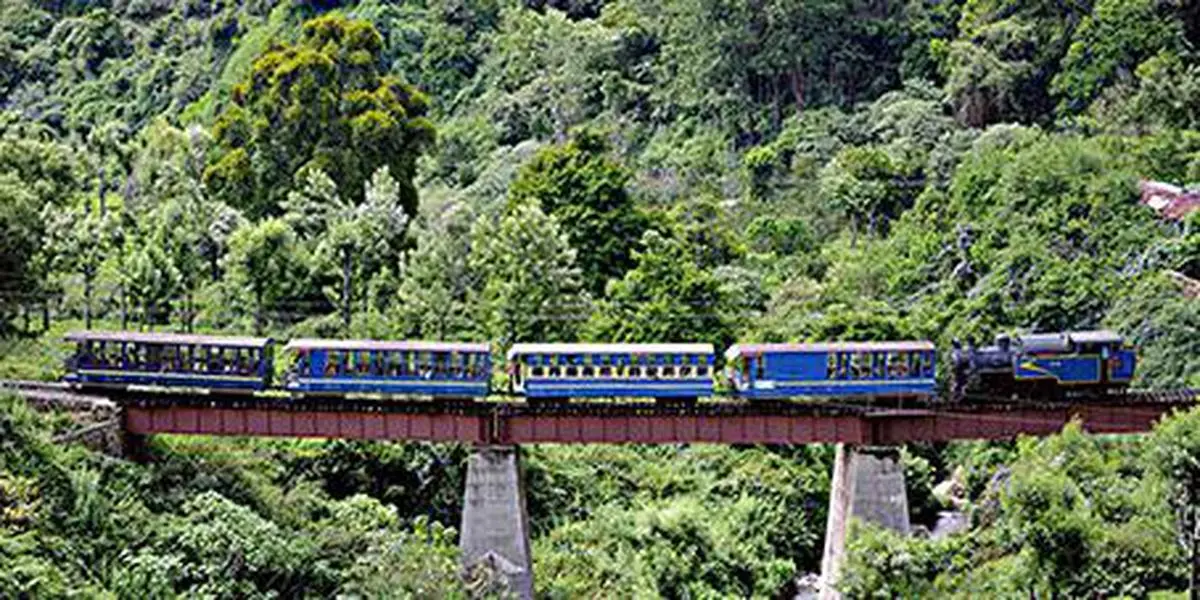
point(619, 170)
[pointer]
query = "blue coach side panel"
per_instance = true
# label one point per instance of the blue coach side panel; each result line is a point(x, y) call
point(833, 369)
point(121, 358)
point(562, 371)
point(437, 369)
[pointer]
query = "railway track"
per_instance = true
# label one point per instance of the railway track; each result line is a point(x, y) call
point(62, 394)
point(54, 393)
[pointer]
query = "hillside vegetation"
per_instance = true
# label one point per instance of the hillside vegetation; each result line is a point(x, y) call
point(621, 170)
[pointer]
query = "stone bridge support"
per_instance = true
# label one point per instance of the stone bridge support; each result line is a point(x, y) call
point(867, 484)
point(494, 539)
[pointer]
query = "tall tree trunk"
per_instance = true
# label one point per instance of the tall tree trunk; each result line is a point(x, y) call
point(124, 308)
point(776, 106)
point(346, 258)
point(87, 297)
point(46, 313)
point(1194, 578)
point(189, 311)
point(798, 89)
point(258, 311)
point(101, 189)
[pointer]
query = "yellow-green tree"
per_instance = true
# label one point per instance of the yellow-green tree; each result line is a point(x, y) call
point(324, 102)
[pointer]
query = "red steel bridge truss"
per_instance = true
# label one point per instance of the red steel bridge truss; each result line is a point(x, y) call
point(719, 422)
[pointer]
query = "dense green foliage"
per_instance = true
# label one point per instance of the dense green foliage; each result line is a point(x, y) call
point(233, 521)
point(1071, 515)
point(697, 170)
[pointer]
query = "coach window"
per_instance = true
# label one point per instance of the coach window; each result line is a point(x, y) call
point(760, 364)
point(83, 354)
point(604, 369)
point(855, 368)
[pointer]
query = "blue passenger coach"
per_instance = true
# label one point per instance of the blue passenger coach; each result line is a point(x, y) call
point(832, 369)
point(123, 358)
point(661, 371)
point(438, 369)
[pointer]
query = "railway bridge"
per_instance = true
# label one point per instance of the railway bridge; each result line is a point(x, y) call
point(867, 480)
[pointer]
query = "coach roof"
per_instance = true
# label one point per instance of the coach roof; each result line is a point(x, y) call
point(524, 349)
point(906, 346)
point(179, 339)
point(386, 346)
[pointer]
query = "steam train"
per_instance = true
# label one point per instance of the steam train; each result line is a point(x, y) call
point(1043, 366)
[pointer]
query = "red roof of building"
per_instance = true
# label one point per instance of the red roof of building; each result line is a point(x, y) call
point(1170, 201)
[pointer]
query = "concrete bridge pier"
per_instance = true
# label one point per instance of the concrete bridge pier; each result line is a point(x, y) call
point(494, 539)
point(867, 484)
